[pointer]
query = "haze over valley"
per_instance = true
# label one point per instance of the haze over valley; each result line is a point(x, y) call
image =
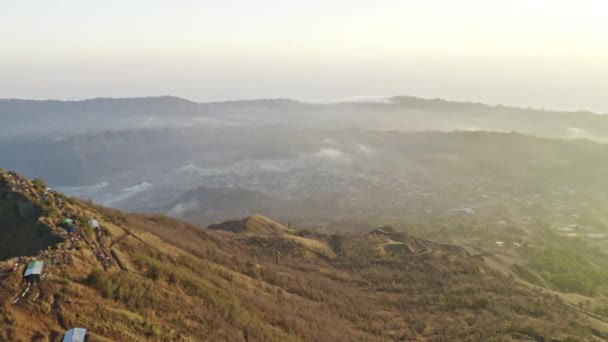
point(393, 170)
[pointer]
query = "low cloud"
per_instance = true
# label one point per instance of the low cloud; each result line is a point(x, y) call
point(330, 153)
point(365, 149)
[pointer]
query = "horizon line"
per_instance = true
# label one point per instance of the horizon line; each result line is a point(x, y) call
point(360, 99)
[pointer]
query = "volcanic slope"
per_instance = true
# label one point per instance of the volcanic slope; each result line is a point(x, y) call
point(153, 278)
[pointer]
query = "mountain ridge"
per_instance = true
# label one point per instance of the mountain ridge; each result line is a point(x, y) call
point(422, 102)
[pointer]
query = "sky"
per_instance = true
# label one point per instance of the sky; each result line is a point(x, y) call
point(533, 53)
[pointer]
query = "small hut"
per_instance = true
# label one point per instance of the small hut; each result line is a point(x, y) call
point(33, 271)
point(75, 335)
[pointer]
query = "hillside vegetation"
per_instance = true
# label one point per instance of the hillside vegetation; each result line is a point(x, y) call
point(153, 278)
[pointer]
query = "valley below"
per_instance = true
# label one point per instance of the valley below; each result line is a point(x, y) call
point(408, 220)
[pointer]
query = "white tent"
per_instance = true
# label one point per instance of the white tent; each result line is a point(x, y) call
point(75, 335)
point(94, 223)
point(33, 270)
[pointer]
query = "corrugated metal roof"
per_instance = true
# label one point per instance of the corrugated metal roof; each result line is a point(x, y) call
point(75, 335)
point(34, 268)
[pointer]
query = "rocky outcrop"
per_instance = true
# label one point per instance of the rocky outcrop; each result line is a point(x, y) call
point(22, 233)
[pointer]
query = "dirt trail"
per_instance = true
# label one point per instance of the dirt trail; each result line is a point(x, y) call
point(118, 261)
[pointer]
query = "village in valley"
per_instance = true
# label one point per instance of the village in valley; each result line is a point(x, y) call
point(339, 179)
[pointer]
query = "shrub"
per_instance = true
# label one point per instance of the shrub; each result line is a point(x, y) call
point(565, 269)
point(133, 290)
point(39, 183)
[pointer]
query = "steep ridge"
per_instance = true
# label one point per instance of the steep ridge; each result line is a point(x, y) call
point(153, 278)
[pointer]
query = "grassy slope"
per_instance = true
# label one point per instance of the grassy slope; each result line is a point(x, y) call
point(187, 284)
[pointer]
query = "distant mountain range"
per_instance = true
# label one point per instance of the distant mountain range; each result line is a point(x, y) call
point(67, 118)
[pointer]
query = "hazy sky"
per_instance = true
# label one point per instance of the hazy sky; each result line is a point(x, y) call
point(542, 53)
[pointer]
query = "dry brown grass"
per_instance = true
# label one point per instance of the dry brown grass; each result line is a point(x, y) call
point(184, 283)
